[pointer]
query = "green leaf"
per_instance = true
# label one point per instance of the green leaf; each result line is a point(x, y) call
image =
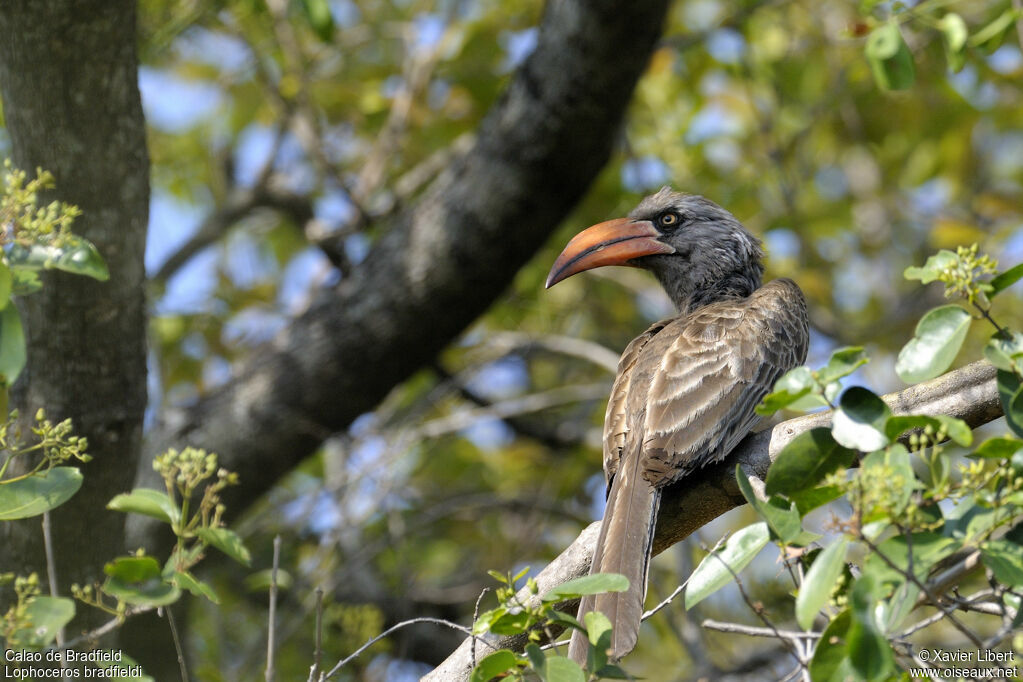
point(889, 58)
point(933, 268)
point(151, 592)
point(869, 651)
point(25, 282)
point(1010, 392)
point(830, 662)
point(997, 448)
point(781, 515)
point(494, 664)
point(511, 621)
point(1005, 559)
point(859, 421)
point(187, 581)
point(560, 669)
point(564, 619)
point(819, 582)
point(75, 255)
point(794, 386)
point(805, 461)
point(596, 583)
point(6, 284)
point(842, 363)
point(933, 348)
point(811, 498)
point(1005, 280)
point(38, 493)
point(954, 34)
point(318, 14)
point(1005, 352)
point(716, 569)
point(12, 344)
point(597, 627)
point(227, 541)
point(147, 502)
point(46, 615)
point(898, 472)
point(133, 569)
point(958, 430)
point(991, 36)
point(534, 653)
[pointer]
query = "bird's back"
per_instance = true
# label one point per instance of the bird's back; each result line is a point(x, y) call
point(689, 386)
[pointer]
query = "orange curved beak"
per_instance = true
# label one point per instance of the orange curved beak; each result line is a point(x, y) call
point(614, 242)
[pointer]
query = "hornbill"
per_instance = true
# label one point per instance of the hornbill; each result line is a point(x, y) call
point(686, 387)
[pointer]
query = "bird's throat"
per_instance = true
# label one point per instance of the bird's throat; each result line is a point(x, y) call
point(689, 295)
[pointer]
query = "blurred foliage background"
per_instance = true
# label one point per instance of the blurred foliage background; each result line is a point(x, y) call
point(284, 134)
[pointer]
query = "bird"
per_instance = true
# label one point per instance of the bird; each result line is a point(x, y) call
point(686, 388)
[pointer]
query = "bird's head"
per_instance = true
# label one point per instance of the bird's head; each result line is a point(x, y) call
point(698, 251)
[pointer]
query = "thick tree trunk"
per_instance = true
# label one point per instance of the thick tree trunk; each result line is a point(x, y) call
point(71, 104)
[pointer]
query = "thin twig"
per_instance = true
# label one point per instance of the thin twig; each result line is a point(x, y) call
point(406, 623)
point(934, 599)
point(670, 598)
point(314, 672)
point(271, 636)
point(51, 577)
point(177, 644)
point(759, 611)
point(475, 617)
point(753, 631)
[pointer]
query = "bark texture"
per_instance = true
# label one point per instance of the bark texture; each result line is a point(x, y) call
point(968, 393)
point(69, 82)
point(447, 258)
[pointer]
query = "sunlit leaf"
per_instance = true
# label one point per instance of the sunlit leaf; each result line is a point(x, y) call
point(1005, 351)
point(38, 493)
point(227, 541)
point(819, 582)
point(869, 650)
point(954, 34)
point(830, 662)
point(1010, 392)
point(1005, 559)
point(596, 583)
point(956, 429)
point(939, 335)
point(560, 669)
point(889, 58)
point(997, 448)
point(933, 268)
point(781, 515)
point(47, 616)
point(859, 421)
point(717, 568)
point(12, 344)
point(148, 502)
point(805, 461)
point(842, 363)
point(1005, 280)
point(492, 665)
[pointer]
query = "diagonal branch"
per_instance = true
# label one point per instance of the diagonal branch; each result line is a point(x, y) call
point(968, 393)
point(448, 256)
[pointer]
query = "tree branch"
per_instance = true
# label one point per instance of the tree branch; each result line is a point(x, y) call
point(438, 268)
point(968, 393)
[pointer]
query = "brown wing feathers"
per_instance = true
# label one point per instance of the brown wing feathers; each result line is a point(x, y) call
point(685, 395)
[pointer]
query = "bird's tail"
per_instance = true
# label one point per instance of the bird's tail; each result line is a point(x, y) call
point(623, 546)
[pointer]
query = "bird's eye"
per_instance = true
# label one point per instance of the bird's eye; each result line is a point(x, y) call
point(668, 219)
